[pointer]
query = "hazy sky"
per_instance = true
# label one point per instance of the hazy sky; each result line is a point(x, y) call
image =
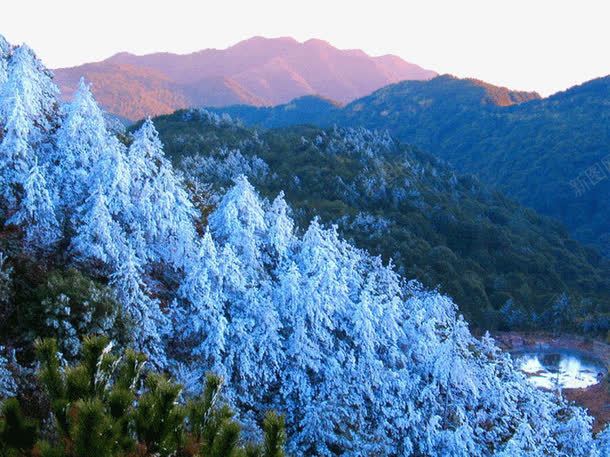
point(532, 45)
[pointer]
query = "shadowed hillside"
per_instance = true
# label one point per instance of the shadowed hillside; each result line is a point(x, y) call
point(551, 154)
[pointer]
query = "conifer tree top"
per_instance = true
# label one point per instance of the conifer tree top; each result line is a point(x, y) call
point(5, 46)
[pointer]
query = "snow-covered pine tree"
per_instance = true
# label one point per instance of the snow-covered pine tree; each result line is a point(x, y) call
point(81, 140)
point(160, 209)
point(174, 215)
point(602, 443)
point(573, 435)
point(198, 316)
point(240, 221)
point(16, 155)
point(5, 49)
point(314, 355)
point(33, 83)
point(111, 173)
point(8, 387)
point(36, 213)
point(3, 78)
point(301, 350)
point(521, 444)
point(280, 238)
point(99, 238)
point(150, 323)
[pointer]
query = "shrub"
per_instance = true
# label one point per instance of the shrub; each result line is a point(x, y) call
point(107, 405)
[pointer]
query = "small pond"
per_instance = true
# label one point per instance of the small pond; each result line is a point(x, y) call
point(547, 368)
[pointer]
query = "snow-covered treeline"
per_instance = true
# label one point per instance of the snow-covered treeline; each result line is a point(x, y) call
point(359, 360)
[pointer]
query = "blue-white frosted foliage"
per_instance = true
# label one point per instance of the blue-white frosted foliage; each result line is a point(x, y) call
point(26, 78)
point(8, 388)
point(359, 361)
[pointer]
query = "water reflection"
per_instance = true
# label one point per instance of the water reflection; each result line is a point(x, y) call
point(548, 369)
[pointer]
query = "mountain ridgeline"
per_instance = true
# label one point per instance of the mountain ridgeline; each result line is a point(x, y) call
point(550, 154)
point(505, 265)
point(104, 247)
point(259, 71)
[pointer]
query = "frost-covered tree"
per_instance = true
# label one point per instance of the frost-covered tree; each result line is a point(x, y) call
point(522, 443)
point(311, 347)
point(5, 49)
point(36, 213)
point(8, 387)
point(33, 83)
point(573, 434)
point(253, 362)
point(602, 443)
point(240, 221)
point(98, 236)
point(280, 229)
point(160, 209)
point(199, 320)
point(150, 323)
point(81, 141)
point(111, 173)
point(562, 312)
point(225, 165)
point(16, 155)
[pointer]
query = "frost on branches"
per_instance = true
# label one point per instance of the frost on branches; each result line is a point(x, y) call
point(360, 361)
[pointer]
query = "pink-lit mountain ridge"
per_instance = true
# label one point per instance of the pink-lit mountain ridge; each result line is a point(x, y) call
point(259, 71)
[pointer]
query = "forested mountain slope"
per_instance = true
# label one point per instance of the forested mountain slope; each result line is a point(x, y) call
point(505, 265)
point(550, 154)
point(103, 238)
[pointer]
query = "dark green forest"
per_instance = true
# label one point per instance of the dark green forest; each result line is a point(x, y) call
point(550, 154)
point(505, 265)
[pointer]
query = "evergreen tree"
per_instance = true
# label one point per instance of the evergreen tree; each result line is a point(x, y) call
point(522, 443)
point(81, 141)
point(111, 174)
point(312, 349)
point(17, 433)
point(5, 47)
point(99, 238)
point(160, 209)
point(16, 155)
point(109, 405)
point(3, 78)
point(199, 317)
point(240, 221)
point(8, 388)
point(150, 322)
point(573, 434)
point(281, 237)
point(30, 81)
point(603, 443)
point(36, 213)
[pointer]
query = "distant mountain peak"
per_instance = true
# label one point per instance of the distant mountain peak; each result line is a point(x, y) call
point(121, 55)
point(318, 42)
point(259, 71)
point(447, 88)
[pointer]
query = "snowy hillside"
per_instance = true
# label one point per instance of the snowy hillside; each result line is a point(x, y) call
point(359, 360)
